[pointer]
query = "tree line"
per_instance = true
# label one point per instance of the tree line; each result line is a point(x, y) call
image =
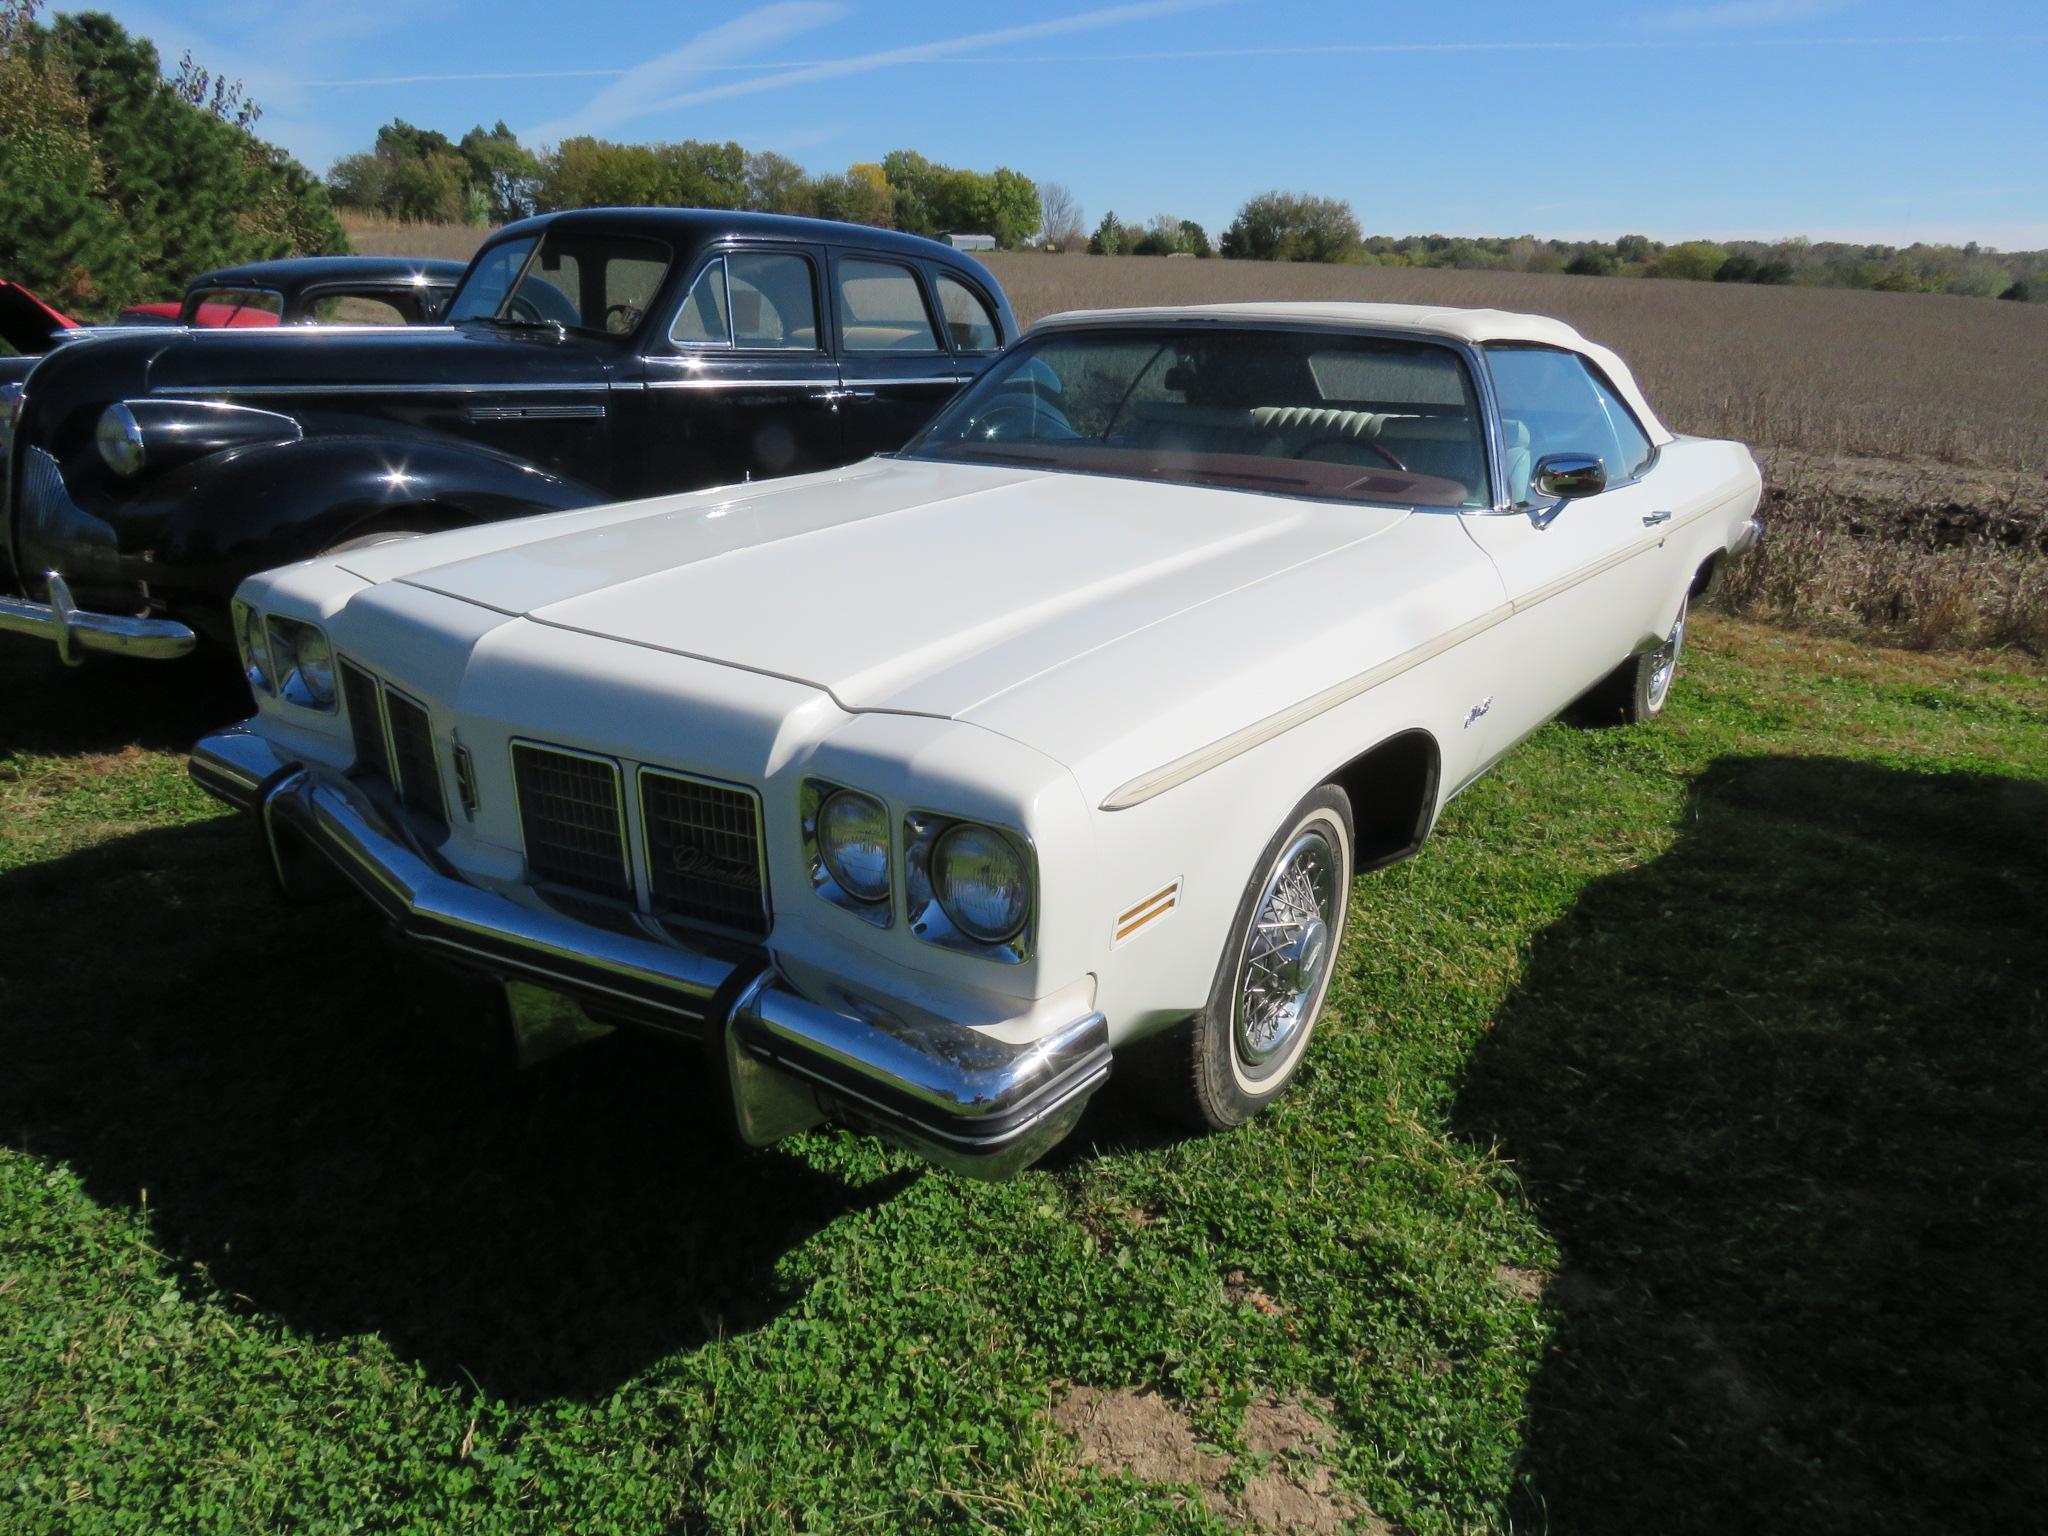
point(118, 184)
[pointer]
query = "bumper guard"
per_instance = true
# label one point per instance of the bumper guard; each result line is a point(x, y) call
point(950, 1093)
point(76, 631)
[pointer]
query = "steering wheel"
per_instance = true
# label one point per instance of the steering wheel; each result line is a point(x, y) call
point(620, 319)
point(1393, 459)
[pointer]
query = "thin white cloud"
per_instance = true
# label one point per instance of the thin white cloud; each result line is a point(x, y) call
point(1730, 15)
point(1181, 55)
point(642, 88)
point(833, 69)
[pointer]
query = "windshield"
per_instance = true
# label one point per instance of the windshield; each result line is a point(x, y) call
point(581, 280)
point(1302, 413)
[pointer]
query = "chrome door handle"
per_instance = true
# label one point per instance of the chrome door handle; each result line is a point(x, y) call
point(1652, 519)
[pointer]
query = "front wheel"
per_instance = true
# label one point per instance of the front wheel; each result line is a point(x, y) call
point(1246, 1045)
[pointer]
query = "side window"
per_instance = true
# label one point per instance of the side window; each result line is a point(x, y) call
point(881, 309)
point(357, 309)
point(1552, 401)
point(773, 302)
point(234, 306)
point(970, 325)
point(629, 284)
point(702, 321)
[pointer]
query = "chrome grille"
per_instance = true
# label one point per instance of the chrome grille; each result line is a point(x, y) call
point(365, 721)
point(411, 733)
point(703, 851)
point(573, 820)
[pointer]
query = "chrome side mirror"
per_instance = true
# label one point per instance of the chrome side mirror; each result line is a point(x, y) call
point(1565, 477)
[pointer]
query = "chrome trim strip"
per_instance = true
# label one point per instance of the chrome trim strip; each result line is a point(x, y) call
point(533, 413)
point(817, 383)
point(886, 383)
point(315, 388)
point(76, 631)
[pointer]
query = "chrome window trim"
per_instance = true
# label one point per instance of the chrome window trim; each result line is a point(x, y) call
point(932, 325)
point(641, 773)
point(922, 829)
point(941, 273)
point(811, 794)
point(683, 304)
point(1502, 504)
point(208, 390)
point(626, 860)
point(730, 347)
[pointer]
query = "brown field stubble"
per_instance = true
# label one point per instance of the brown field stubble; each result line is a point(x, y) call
point(1905, 436)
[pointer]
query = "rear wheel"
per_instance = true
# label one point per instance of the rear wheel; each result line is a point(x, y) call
point(1246, 1045)
point(1637, 690)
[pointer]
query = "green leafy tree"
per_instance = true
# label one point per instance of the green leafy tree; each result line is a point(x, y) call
point(1692, 261)
point(1109, 236)
point(1592, 262)
point(1293, 226)
point(1630, 249)
point(777, 184)
point(861, 195)
point(504, 170)
point(1194, 238)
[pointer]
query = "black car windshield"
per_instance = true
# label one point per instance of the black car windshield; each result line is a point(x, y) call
point(1328, 414)
point(579, 279)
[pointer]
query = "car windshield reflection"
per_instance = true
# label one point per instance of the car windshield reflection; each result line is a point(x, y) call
point(1318, 414)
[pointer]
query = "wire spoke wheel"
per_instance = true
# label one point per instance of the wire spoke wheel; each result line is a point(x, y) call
point(1286, 953)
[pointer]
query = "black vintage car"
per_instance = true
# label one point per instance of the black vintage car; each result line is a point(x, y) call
point(601, 354)
point(303, 290)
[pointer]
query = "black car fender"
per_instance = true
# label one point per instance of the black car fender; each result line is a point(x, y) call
point(273, 503)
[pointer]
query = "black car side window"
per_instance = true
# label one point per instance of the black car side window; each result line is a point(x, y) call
point(881, 309)
point(970, 324)
point(703, 320)
point(773, 302)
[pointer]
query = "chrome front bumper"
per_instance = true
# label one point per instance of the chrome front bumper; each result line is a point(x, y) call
point(1747, 537)
point(952, 1094)
point(75, 631)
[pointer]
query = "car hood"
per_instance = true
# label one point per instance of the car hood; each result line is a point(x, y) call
point(319, 359)
point(896, 585)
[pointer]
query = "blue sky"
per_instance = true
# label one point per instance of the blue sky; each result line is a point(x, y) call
point(1841, 119)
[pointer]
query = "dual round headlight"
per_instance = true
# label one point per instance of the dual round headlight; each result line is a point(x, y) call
point(982, 882)
point(302, 659)
point(256, 651)
point(853, 844)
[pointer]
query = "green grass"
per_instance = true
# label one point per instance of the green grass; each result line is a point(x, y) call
point(1672, 1159)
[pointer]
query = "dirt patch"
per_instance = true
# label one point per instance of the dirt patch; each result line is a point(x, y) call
point(1126, 1432)
point(1529, 1284)
point(1245, 1292)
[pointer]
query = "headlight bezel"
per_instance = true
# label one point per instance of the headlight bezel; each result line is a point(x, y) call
point(880, 911)
point(293, 679)
point(252, 639)
point(930, 921)
point(118, 437)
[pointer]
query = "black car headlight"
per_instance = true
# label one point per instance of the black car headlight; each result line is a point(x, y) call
point(119, 437)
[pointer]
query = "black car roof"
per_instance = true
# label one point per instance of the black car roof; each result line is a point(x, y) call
point(296, 271)
point(710, 223)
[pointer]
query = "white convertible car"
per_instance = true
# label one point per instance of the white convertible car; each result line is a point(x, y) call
point(918, 790)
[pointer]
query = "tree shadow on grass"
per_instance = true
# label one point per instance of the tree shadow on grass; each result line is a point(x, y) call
point(1782, 1095)
point(107, 704)
point(270, 1083)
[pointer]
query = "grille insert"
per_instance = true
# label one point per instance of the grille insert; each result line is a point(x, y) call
point(411, 733)
point(703, 851)
point(365, 721)
point(572, 818)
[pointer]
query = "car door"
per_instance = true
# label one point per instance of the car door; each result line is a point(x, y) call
point(894, 370)
point(1584, 580)
point(738, 383)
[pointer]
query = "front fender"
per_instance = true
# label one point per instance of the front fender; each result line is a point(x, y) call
point(244, 510)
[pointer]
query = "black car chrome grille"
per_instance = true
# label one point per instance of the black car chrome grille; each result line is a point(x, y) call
point(703, 851)
point(573, 820)
point(365, 721)
point(412, 749)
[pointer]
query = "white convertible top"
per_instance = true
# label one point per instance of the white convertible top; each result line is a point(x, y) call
point(1475, 326)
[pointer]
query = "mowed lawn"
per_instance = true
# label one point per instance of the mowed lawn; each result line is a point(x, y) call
point(1673, 1158)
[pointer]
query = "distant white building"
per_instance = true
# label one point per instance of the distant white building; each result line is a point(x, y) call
point(971, 242)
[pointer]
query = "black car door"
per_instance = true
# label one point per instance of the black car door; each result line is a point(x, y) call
point(737, 383)
point(894, 369)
